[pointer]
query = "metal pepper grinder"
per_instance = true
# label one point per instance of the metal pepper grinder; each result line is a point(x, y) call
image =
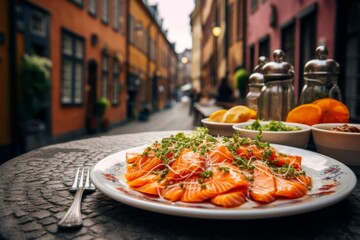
point(320, 78)
point(277, 96)
point(256, 83)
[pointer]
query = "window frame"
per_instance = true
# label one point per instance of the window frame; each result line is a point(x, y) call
point(254, 5)
point(264, 43)
point(92, 12)
point(230, 27)
point(74, 61)
point(116, 15)
point(240, 19)
point(79, 3)
point(116, 84)
point(290, 25)
point(105, 73)
point(105, 12)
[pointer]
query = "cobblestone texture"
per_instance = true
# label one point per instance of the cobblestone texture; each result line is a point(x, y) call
point(34, 196)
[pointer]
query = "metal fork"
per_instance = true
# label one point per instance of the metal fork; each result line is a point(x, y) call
point(73, 216)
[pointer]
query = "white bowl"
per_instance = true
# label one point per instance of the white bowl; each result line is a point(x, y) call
point(298, 138)
point(343, 146)
point(218, 128)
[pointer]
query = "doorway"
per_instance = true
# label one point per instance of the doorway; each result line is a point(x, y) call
point(91, 121)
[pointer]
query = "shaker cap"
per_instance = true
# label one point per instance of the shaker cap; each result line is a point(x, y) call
point(278, 69)
point(261, 62)
point(256, 79)
point(321, 65)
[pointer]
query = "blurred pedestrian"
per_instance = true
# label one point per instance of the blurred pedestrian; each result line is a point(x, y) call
point(225, 92)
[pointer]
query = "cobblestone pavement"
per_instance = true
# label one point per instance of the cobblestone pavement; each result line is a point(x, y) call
point(175, 118)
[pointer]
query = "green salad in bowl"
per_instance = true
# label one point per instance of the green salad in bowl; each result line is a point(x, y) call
point(278, 132)
point(271, 126)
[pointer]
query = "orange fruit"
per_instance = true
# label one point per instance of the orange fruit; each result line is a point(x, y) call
point(334, 111)
point(218, 115)
point(253, 113)
point(236, 114)
point(308, 114)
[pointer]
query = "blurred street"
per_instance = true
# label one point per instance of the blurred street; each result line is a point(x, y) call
point(175, 118)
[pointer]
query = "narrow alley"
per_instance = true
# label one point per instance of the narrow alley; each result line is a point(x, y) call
point(175, 118)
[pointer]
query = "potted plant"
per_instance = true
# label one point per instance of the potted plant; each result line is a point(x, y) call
point(35, 79)
point(101, 105)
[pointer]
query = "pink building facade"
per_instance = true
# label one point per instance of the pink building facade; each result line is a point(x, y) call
point(272, 21)
point(298, 27)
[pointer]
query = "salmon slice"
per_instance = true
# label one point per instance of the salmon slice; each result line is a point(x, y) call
point(173, 192)
point(220, 182)
point(144, 179)
point(221, 154)
point(254, 151)
point(132, 157)
point(293, 160)
point(263, 188)
point(304, 179)
point(232, 198)
point(143, 166)
point(289, 188)
point(153, 188)
point(187, 164)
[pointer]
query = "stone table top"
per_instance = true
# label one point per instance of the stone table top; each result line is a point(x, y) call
point(34, 196)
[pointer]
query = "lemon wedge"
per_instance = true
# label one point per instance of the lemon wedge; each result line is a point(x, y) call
point(236, 114)
point(218, 115)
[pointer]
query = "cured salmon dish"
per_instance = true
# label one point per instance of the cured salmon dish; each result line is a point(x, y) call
point(225, 171)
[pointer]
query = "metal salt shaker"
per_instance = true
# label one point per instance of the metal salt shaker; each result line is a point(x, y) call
point(320, 78)
point(277, 96)
point(256, 83)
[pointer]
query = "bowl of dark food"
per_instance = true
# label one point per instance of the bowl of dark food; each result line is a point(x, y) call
point(279, 132)
point(338, 140)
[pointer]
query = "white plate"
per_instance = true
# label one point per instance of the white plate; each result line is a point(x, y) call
point(332, 182)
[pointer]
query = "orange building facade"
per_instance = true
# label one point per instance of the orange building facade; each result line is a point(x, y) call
point(110, 55)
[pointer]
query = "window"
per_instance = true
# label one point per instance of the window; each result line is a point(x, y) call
point(288, 41)
point(105, 11)
point(92, 7)
point(122, 16)
point(105, 75)
point(139, 33)
point(254, 5)
point(230, 24)
point(72, 88)
point(264, 47)
point(116, 82)
point(240, 19)
point(78, 2)
point(116, 15)
point(307, 42)
point(131, 29)
point(37, 24)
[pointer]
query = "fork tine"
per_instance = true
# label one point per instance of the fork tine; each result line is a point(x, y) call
point(75, 183)
point(87, 182)
point(81, 184)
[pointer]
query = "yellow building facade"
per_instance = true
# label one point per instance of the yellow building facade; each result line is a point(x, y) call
point(151, 61)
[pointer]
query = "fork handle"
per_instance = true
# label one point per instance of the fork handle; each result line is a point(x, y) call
point(73, 216)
